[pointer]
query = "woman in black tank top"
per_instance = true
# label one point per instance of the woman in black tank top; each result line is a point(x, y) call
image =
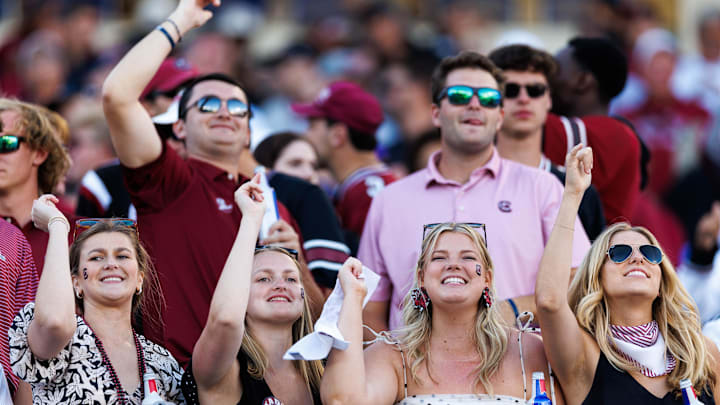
point(258, 311)
point(627, 332)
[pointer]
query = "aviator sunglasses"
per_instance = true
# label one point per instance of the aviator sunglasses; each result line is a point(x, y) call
point(461, 95)
point(212, 104)
point(620, 253)
point(10, 143)
point(81, 225)
point(534, 90)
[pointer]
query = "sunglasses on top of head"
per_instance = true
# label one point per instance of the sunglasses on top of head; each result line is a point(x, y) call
point(212, 104)
point(10, 143)
point(534, 90)
point(622, 252)
point(462, 95)
point(81, 225)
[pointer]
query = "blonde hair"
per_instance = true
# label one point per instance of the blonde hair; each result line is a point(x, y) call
point(45, 130)
point(490, 334)
point(311, 370)
point(673, 310)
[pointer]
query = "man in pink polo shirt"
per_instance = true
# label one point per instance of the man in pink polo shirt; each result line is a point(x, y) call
point(466, 181)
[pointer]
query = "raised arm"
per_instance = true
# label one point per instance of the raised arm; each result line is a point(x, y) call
point(54, 321)
point(135, 139)
point(568, 348)
point(216, 349)
point(348, 379)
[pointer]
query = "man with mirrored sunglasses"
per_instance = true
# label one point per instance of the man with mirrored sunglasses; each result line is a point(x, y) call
point(185, 207)
point(466, 181)
point(33, 161)
point(527, 104)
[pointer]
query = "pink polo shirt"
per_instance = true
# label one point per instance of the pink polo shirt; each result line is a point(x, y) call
point(517, 203)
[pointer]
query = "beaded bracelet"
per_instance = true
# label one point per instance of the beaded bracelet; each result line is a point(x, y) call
point(60, 219)
point(167, 35)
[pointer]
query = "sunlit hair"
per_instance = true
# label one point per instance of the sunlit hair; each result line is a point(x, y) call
point(311, 370)
point(44, 130)
point(150, 301)
point(490, 334)
point(673, 310)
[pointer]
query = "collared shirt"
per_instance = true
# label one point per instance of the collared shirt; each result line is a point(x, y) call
point(18, 285)
point(517, 203)
point(188, 220)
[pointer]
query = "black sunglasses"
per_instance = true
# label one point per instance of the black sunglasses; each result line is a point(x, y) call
point(620, 253)
point(474, 225)
point(290, 252)
point(461, 95)
point(10, 143)
point(534, 90)
point(212, 104)
point(81, 225)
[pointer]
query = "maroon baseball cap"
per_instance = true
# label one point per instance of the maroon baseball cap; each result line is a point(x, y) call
point(172, 73)
point(345, 102)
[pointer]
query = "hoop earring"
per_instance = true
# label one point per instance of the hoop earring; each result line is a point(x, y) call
point(487, 299)
point(138, 291)
point(78, 295)
point(420, 299)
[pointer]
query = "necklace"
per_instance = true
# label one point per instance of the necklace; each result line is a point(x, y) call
point(121, 393)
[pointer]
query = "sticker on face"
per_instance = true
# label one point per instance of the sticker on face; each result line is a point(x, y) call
point(478, 269)
point(271, 401)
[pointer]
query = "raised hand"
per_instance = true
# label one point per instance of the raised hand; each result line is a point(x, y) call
point(352, 279)
point(44, 212)
point(249, 198)
point(578, 165)
point(191, 14)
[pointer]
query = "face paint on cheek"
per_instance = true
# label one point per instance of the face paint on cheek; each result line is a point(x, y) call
point(478, 269)
point(85, 276)
point(302, 293)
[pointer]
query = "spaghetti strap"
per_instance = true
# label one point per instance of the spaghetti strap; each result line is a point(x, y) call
point(525, 327)
point(386, 337)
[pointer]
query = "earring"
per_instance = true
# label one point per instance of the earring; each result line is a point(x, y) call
point(302, 293)
point(78, 295)
point(478, 269)
point(420, 298)
point(85, 276)
point(138, 291)
point(486, 297)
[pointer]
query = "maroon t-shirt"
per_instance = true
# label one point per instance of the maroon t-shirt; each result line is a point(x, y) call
point(188, 220)
point(354, 195)
point(616, 161)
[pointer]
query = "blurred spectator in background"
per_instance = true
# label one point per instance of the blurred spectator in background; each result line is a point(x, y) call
point(33, 162)
point(343, 121)
point(18, 284)
point(591, 71)
point(420, 150)
point(289, 153)
point(526, 104)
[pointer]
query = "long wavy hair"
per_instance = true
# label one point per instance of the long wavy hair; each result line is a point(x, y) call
point(311, 370)
point(490, 333)
point(150, 301)
point(674, 311)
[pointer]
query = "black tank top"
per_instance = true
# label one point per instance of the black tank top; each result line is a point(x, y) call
point(613, 387)
point(255, 392)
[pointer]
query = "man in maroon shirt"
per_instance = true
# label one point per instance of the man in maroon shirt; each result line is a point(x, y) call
point(343, 121)
point(187, 217)
point(32, 162)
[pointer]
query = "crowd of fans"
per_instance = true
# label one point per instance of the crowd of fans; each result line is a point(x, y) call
point(185, 195)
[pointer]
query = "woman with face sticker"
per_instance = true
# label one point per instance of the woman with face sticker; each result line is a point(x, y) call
point(78, 341)
point(257, 312)
point(454, 349)
point(627, 332)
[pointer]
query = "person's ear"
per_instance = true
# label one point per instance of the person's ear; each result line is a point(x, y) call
point(178, 128)
point(338, 135)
